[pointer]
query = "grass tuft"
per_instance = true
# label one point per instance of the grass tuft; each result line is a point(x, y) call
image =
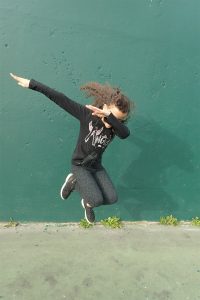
point(169, 220)
point(112, 222)
point(196, 221)
point(84, 224)
point(11, 223)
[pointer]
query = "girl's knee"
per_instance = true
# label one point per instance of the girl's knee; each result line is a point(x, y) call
point(113, 199)
point(95, 202)
point(98, 202)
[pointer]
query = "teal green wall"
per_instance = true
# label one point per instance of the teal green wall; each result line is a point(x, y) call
point(151, 49)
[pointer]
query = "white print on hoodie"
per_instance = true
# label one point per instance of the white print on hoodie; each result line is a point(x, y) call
point(98, 139)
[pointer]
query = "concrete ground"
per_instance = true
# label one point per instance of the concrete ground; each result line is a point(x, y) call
point(141, 261)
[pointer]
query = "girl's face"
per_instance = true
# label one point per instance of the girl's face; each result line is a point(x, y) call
point(116, 112)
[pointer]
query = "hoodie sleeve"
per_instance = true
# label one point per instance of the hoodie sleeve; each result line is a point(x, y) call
point(75, 109)
point(120, 129)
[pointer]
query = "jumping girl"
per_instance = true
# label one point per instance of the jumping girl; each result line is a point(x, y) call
point(99, 123)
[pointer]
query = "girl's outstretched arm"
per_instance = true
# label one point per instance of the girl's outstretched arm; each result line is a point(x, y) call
point(75, 109)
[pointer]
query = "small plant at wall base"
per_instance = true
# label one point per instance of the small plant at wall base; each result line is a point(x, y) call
point(84, 224)
point(196, 221)
point(112, 222)
point(169, 220)
point(11, 223)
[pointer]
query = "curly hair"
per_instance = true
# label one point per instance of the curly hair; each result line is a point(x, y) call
point(106, 94)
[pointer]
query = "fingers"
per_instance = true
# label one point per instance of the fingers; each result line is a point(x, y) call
point(90, 107)
point(17, 78)
point(98, 115)
point(95, 109)
point(21, 81)
point(13, 76)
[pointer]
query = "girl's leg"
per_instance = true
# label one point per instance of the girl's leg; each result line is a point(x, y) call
point(106, 186)
point(87, 186)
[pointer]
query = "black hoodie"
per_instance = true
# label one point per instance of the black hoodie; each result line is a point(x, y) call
point(93, 135)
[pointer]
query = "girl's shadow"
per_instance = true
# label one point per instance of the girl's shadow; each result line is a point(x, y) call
point(143, 186)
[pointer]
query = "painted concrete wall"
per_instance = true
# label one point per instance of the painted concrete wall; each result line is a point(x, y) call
point(151, 49)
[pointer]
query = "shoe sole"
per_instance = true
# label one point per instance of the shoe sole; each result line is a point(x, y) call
point(62, 188)
point(82, 202)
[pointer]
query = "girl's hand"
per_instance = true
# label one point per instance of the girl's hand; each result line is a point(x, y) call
point(21, 81)
point(99, 112)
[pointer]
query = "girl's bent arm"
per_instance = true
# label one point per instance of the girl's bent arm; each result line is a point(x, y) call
point(121, 130)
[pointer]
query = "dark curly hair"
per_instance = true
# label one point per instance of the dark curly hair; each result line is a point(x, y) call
point(106, 94)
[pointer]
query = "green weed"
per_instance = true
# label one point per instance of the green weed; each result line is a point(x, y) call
point(84, 224)
point(11, 223)
point(169, 220)
point(112, 222)
point(196, 221)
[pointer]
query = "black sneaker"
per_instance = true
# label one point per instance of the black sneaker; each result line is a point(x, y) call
point(89, 213)
point(68, 186)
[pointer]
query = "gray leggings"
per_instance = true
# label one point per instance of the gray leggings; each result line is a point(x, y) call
point(95, 186)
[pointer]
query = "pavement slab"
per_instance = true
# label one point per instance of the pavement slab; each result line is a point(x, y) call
point(141, 261)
